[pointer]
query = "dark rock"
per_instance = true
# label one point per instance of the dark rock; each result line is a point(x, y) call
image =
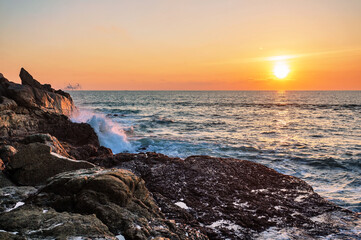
point(34, 163)
point(5, 181)
point(10, 236)
point(10, 196)
point(7, 104)
point(7, 152)
point(230, 198)
point(117, 197)
point(39, 223)
point(27, 79)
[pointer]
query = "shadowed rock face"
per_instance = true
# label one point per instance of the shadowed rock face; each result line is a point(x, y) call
point(229, 198)
point(117, 197)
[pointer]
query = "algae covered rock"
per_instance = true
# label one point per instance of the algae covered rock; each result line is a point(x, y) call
point(117, 197)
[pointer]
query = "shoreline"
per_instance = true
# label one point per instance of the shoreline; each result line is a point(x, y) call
point(54, 165)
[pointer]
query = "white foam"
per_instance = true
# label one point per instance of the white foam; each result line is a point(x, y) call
point(182, 205)
point(110, 134)
point(225, 224)
point(120, 237)
point(18, 204)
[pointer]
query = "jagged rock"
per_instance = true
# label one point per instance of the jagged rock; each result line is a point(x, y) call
point(34, 163)
point(27, 79)
point(229, 198)
point(39, 223)
point(117, 197)
point(32, 94)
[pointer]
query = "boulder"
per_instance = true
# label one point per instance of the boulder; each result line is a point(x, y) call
point(34, 163)
point(117, 197)
point(33, 222)
point(48, 140)
point(230, 198)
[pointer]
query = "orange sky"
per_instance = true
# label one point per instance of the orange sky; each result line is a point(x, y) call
point(183, 45)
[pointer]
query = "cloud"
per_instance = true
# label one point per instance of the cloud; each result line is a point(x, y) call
point(75, 86)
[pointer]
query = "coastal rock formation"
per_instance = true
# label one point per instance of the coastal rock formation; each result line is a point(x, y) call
point(149, 195)
point(33, 108)
point(117, 197)
point(230, 198)
point(34, 163)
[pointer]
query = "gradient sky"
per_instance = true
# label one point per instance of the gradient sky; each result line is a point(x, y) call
point(183, 45)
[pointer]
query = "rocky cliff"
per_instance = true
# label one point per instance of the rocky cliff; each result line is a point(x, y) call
point(57, 182)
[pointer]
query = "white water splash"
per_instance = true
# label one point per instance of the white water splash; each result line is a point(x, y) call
point(110, 134)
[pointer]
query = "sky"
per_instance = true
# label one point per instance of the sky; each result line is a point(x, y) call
point(183, 45)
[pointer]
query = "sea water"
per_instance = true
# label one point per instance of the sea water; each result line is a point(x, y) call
point(313, 135)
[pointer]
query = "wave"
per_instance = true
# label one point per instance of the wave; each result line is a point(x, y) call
point(110, 134)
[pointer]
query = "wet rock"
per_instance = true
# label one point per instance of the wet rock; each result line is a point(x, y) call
point(229, 198)
point(10, 236)
point(117, 197)
point(39, 223)
point(10, 196)
point(34, 163)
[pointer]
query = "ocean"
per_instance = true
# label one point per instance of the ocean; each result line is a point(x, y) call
point(312, 135)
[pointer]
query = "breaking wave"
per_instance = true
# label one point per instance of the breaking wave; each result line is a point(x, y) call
point(110, 134)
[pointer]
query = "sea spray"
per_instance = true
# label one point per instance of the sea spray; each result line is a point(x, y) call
point(110, 134)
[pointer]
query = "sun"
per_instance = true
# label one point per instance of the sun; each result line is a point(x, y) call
point(281, 69)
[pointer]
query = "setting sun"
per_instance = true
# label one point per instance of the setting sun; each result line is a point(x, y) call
point(281, 70)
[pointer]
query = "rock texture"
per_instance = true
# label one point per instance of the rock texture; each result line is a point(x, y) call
point(49, 224)
point(230, 198)
point(117, 197)
point(34, 163)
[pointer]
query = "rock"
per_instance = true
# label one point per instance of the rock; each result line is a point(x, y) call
point(1, 75)
point(27, 79)
point(38, 223)
point(7, 152)
point(117, 197)
point(230, 198)
point(5, 181)
point(34, 163)
point(48, 140)
point(12, 195)
point(32, 94)
point(7, 104)
point(10, 236)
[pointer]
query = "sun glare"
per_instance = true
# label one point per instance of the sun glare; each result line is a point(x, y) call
point(281, 70)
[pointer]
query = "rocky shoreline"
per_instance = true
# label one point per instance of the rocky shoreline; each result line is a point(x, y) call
point(57, 182)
